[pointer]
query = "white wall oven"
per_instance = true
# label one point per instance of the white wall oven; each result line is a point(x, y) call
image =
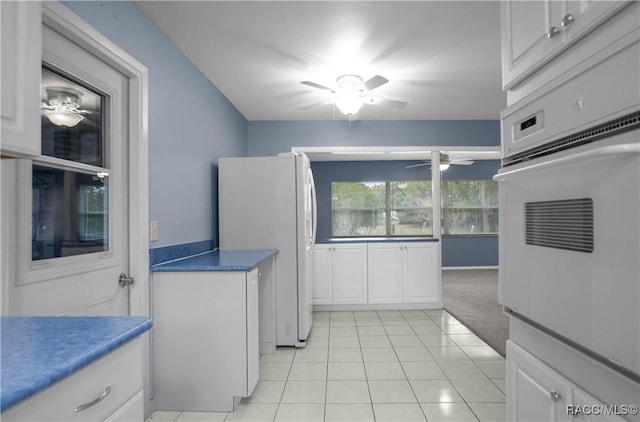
point(570, 212)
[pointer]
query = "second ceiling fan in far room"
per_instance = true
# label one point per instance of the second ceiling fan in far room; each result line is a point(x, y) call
point(445, 162)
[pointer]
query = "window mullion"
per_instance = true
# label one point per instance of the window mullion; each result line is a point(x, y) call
point(387, 193)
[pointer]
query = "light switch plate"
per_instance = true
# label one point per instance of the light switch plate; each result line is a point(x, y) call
point(153, 231)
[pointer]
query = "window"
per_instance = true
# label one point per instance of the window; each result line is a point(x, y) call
point(70, 190)
point(386, 208)
point(469, 207)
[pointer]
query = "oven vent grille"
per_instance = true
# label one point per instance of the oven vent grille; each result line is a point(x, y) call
point(565, 224)
point(604, 130)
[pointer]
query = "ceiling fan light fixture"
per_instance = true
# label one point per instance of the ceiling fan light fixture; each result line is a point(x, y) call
point(443, 166)
point(61, 107)
point(350, 94)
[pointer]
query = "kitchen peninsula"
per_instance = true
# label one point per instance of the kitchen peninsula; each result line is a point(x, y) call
point(214, 315)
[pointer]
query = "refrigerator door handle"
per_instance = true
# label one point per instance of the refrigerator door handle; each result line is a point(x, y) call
point(314, 208)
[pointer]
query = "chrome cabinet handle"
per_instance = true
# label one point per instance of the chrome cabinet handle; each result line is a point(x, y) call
point(553, 31)
point(555, 396)
point(567, 20)
point(92, 403)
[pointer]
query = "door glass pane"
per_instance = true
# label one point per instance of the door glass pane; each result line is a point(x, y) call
point(70, 213)
point(411, 208)
point(72, 120)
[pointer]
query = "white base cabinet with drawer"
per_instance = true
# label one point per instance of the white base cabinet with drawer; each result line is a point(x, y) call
point(206, 339)
point(380, 275)
point(116, 377)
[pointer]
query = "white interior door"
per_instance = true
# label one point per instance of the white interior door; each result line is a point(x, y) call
point(72, 201)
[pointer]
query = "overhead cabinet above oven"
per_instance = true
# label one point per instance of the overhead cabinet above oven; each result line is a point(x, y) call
point(534, 32)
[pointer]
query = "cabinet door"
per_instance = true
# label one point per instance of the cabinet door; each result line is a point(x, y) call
point(588, 14)
point(20, 77)
point(349, 273)
point(253, 328)
point(525, 41)
point(385, 272)
point(322, 292)
point(535, 392)
point(421, 275)
point(585, 405)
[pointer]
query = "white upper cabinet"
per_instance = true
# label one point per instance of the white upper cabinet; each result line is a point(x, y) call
point(20, 77)
point(533, 32)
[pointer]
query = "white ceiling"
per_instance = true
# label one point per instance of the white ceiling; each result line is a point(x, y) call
point(442, 57)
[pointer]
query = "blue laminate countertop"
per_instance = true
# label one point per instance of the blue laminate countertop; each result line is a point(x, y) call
point(218, 261)
point(376, 239)
point(37, 352)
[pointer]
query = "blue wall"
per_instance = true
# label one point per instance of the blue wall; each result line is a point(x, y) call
point(272, 137)
point(191, 124)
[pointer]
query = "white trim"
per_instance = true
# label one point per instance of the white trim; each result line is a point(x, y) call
point(61, 19)
point(385, 153)
point(487, 267)
point(378, 306)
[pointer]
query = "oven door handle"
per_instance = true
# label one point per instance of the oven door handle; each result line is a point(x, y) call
point(633, 148)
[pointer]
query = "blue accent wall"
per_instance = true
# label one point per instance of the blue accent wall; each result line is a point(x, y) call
point(272, 137)
point(191, 124)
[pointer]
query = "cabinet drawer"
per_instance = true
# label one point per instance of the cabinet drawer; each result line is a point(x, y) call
point(120, 369)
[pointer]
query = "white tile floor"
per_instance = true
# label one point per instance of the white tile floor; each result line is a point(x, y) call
point(375, 366)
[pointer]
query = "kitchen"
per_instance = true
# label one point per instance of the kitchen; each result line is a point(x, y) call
point(184, 105)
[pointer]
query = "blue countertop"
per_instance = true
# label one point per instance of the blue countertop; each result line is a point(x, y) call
point(218, 261)
point(37, 352)
point(376, 239)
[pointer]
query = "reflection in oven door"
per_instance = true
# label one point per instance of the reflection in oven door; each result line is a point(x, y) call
point(570, 245)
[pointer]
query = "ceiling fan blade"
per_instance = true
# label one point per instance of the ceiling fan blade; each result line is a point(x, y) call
point(375, 82)
point(461, 162)
point(385, 103)
point(315, 85)
point(418, 165)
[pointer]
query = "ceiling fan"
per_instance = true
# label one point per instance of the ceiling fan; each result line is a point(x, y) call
point(446, 161)
point(62, 107)
point(351, 93)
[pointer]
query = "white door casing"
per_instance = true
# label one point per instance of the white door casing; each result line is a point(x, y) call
point(66, 23)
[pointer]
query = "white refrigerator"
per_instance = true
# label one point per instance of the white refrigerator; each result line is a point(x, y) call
point(269, 203)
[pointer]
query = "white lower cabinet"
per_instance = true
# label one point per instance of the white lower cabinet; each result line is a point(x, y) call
point(404, 273)
point(116, 377)
point(385, 265)
point(536, 392)
point(206, 339)
point(340, 274)
point(381, 273)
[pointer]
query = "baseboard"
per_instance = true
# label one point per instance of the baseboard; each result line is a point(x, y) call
point(488, 267)
point(378, 306)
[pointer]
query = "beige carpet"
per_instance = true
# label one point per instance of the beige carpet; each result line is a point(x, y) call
point(472, 297)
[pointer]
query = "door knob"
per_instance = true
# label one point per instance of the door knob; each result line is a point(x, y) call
point(124, 281)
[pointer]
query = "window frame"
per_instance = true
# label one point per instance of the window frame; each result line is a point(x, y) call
point(387, 210)
point(445, 210)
